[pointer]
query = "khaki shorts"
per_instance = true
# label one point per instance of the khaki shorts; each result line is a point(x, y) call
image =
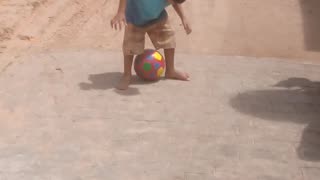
point(161, 35)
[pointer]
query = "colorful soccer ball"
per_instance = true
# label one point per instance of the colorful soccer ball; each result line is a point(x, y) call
point(150, 65)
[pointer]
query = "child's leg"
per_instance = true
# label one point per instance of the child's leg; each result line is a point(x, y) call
point(126, 77)
point(171, 72)
point(133, 43)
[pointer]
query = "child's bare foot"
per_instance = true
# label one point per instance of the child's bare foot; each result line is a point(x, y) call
point(124, 82)
point(177, 75)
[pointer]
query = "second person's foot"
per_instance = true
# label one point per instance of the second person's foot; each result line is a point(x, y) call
point(177, 75)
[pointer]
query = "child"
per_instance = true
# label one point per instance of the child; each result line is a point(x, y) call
point(148, 16)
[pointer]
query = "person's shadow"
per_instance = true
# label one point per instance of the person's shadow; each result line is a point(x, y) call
point(295, 100)
point(311, 24)
point(106, 81)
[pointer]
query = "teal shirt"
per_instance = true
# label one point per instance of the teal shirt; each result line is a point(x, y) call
point(145, 12)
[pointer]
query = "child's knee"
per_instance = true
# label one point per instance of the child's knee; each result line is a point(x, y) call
point(134, 40)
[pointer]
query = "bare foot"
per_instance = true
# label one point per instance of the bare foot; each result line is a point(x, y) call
point(177, 75)
point(124, 82)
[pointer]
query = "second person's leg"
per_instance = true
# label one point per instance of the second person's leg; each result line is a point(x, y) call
point(171, 72)
point(163, 37)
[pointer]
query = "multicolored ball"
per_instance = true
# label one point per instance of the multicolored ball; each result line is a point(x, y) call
point(150, 65)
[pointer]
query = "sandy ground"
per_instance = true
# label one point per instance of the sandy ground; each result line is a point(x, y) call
point(286, 29)
point(239, 118)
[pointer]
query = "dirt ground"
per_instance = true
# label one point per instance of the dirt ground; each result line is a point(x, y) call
point(286, 29)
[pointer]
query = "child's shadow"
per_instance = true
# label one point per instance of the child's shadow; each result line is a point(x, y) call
point(297, 101)
point(105, 81)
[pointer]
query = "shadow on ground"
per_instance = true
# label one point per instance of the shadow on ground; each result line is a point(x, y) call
point(311, 23)
point(105, 81)
point(295, 100)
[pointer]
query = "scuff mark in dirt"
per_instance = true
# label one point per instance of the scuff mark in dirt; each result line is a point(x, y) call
point(6, 67)
point(5, 34)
